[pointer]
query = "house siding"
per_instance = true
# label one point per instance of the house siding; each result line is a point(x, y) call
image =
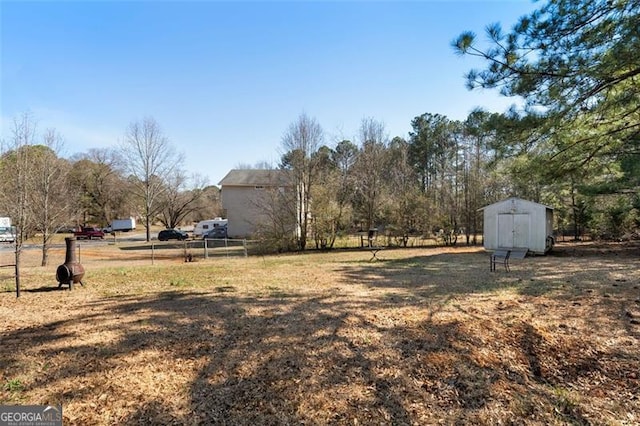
point(244, 214)
point(246, 198)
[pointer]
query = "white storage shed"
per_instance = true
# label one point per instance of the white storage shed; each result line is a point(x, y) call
point(518, 223)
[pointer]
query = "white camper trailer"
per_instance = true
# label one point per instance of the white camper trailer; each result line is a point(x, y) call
point(7, 232)
point(207, 225)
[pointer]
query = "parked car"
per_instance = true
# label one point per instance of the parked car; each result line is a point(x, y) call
point(205, 226)
point(172, 234)
point(217, 232)
point(67, 229)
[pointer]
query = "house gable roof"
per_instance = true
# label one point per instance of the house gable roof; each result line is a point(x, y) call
point(256, 177)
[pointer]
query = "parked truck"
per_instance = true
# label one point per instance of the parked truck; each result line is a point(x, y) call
point(88, 233)
point(124, 225)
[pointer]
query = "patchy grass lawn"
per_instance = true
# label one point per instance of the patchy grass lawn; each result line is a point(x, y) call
point(425, 336)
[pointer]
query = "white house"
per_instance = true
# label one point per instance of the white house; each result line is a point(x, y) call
point(247, 198)
point(515, 222)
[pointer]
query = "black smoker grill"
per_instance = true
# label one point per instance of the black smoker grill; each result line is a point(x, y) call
point(71, 271)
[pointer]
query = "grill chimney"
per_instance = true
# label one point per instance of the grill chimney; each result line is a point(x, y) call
point(71, 271)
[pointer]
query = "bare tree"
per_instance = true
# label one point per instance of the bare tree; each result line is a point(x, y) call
point(149, 159)
point(325, 208)
point(208, 205)
point(15, 170)
point(179, 201)
point(300, 142)
point(259, 165)
point(344, 157)
point(369, 169)
point(96, 175)
point(405, 201)
point(50, 199)
point(274, 224)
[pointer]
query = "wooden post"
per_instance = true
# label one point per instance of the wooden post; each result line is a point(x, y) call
point(17, 272)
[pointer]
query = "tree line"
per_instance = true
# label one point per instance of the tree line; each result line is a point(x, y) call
point(573, 145)
point(44, 193)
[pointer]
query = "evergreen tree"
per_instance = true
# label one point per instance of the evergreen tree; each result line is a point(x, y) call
point(576, 66)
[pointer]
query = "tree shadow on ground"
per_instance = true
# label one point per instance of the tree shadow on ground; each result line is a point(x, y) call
point(46, 289)
point(469, 273)
point(397, 356)
point(438, 275)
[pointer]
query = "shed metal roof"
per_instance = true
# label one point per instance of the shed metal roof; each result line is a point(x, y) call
point(515, 198)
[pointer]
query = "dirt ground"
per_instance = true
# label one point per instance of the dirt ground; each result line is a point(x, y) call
point(420, 337)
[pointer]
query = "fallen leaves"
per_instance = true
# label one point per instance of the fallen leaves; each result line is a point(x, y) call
point(425, 337)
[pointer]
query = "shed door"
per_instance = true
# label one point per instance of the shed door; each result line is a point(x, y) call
point(513, 230)
point(521, 230)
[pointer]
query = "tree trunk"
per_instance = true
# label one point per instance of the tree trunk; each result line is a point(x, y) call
point(148, 226)
point(45, 249)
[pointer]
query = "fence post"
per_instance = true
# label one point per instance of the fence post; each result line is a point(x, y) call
point(153, 252)
point(17, 270)
point(206, 248)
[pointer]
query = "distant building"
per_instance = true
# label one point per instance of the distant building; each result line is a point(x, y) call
point(252, 200)
point(515, 222)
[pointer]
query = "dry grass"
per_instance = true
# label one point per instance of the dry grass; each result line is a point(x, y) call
point(426, 336)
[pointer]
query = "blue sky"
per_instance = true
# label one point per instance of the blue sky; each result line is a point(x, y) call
point(225, 79)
